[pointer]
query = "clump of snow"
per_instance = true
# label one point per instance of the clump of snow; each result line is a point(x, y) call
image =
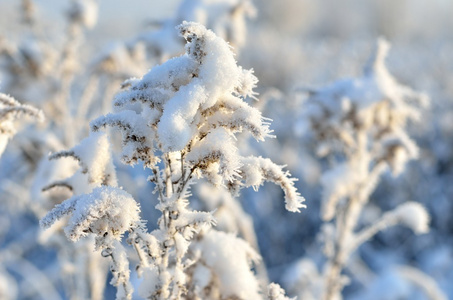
point(217, 156)
point(217, 75)
point(107, 212)
point(229, 258)
point(150, 282)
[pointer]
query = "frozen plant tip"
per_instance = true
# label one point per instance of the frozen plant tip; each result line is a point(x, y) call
point(414, 216)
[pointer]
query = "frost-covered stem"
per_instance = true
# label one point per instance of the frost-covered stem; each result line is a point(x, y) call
point(359, 199)
point(164, 275)
point(168, 176)
point(346, 222)
point(138, 235)
point(57, 184)
point(162, 261)
point(141, 256)
point(345, 229)
point(159, 183)
point(178, 287)
point(185, 180)
point(183, 170)
point(160, 189)
point(337, 261)
point(370, 231)
point(120, 270)
point(346, 242)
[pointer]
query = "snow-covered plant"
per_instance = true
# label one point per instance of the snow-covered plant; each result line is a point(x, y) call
point(179, 120)
point(360, 125)
point(10, 110)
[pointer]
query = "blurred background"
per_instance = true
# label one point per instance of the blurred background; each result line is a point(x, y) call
point(290, 44)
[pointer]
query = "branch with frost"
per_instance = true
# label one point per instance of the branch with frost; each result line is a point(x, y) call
point(10, 110)
point(346, 181)
point(237, 116)
point(410, 214)
point(172, 94)
point(137, 137)
point(256, 170)
point(107, 212)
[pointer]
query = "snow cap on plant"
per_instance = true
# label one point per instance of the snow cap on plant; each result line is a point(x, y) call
point(195, 104)
point(375, 105)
